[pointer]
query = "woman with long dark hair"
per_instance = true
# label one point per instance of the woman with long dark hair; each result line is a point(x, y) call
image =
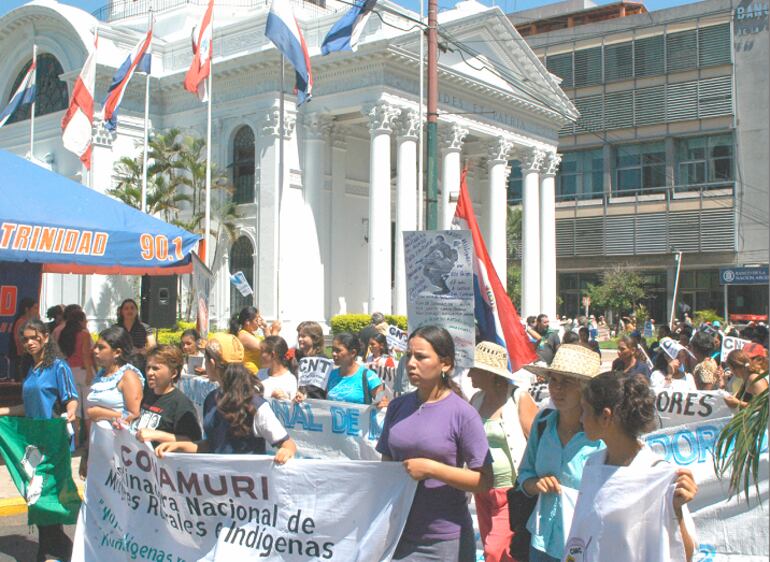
point(278, 375)
point(116, 392)
point(440, 440)
point(310, 343)
point(351, 381)
point(236, 418)
point(128, 319)
point(246, 326)
point(631, 360)
point(27, 310)
point(627, 475)
point(48, 392)
point(75, 343)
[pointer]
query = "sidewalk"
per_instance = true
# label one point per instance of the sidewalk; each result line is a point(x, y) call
point(11, 502)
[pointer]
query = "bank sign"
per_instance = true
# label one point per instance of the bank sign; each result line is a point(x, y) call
point(743, 275)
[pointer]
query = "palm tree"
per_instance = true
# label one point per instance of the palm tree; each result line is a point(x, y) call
point(739, 446)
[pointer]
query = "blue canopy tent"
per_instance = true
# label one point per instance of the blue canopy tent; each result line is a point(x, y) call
point(69, 228)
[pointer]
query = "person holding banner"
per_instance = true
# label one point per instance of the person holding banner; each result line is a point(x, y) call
point(236, 418)
point(310, 343)
point(631, 360)
point(554, 458)
point(670, 374)
point(751, 383)
point(507, 413)
point(632, 504)
point(380, 361)
point(75, 343)
point(166, 413)
point(48, 391)
point(193, 356)
point(440, 440)
point(278, 373)
point(351, 381)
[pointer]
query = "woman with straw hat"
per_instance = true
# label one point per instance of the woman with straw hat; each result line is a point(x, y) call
point(554, 458)
point(507, 413)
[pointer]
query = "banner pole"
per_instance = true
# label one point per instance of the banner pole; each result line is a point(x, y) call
point(281, 126)
point(32, 109)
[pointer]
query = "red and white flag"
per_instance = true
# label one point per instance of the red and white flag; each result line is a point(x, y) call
point(496, 316)
point(77, 122)
point(200, 68)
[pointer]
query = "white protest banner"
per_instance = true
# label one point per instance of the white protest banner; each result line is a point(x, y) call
point(673, 407)
point(323, 429)
point(727, 530)
point(235, 507)
point(314, 371)
point(241, 283)
point(397, 338)
point(202, 289)
point(730, 343)
point(671, 347)
point(439, 280)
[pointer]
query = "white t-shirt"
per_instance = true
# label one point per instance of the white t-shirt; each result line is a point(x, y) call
point(627, 513)
point(285, 382)
point(658, 381)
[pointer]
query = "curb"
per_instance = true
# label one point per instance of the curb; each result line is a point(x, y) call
point(10, 507)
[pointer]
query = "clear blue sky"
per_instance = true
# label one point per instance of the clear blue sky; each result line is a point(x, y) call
point(506, 5)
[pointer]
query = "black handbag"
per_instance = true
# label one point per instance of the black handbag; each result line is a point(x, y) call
point(520, 508)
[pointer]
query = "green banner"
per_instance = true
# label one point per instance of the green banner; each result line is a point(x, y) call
point(37, 454)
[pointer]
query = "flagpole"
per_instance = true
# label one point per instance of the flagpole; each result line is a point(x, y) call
point(32, 110)
point(207, 212)
point(420, 139)
point(146, 126)
point(280, 182)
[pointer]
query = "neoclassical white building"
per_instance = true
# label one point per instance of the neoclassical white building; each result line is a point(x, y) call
point(328, 239)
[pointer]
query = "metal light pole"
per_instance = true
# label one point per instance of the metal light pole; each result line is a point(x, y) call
point(676, 288)
point(432, 127)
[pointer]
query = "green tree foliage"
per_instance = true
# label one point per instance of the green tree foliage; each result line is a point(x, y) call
point(513, 244)
point(619, 290)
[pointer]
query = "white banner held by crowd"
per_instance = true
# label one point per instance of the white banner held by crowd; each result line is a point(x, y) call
point(323, 429)
point(235, 507)
point(314, 371)
point(439, 280)
point(241, 283)
point(730, 343)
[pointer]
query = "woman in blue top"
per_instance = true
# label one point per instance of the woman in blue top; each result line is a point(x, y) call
point(555, 457)
point(346, 382)
point(48, 392)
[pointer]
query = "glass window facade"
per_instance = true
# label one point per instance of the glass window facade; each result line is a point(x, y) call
point(515, 183)
point(581, 175)
point(244, 165)
point(705, 161)
point(640, 169)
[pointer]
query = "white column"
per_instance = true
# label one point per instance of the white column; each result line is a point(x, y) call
point(531, 163)
point(381, 118)
point(406, 199)
point(497, 202)
point(452, 143)
point(338, 245)
point(317, 128)
point(548, 235)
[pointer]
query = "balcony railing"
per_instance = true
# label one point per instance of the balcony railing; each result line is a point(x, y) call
point(123, 9)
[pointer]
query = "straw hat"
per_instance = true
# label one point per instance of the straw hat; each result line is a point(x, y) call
point(492, 358)
point(571, 360)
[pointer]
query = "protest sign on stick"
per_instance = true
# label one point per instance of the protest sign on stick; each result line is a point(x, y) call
point(314, 371)
point(730, 343)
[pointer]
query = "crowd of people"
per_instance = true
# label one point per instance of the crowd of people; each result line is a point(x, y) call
point(516, 457)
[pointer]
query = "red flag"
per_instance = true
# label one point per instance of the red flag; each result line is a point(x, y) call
point(77, 122)
point(495, 314)
point(200, 67)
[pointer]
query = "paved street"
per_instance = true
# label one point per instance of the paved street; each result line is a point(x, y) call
point(18, 541)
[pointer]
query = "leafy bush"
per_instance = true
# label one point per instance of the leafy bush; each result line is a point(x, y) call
point(173, 336)
point(354, 323)
point(707, 315)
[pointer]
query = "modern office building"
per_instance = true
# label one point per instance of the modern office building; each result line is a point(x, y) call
point(670, 153)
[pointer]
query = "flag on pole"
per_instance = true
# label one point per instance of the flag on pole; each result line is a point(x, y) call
point(195, 79)
point(24, 94)
point(344, 35)
point(78, 121)
point(139, 60)
point(283, 30)
point(496, 316)
point(37, 455)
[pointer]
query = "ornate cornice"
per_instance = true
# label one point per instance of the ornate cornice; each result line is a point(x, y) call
point(499, 151)
point(408, 126)
point(382, 117)
point(318, 126)
point(551, 164)
point(452, 138)
point(532, 159)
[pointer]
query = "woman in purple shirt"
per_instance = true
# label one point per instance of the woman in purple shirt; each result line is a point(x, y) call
point(440, 439)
